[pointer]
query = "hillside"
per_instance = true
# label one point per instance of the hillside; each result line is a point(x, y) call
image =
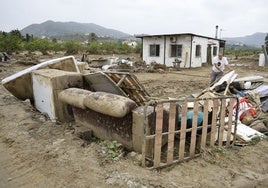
point(255, 40)
point(52, 29)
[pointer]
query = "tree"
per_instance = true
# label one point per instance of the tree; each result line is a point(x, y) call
point(54, 40)
point(29, 38)
point(92, 37)
point(10, 42)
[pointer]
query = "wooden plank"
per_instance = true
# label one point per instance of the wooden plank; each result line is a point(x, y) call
point(183, 130)
point(143, 151)
point(158, 135)
point(139, 89)
point(230, 122)
point(121, 80)
point(133, 92)
point(130, 86)
point(222, 121)
point(204, 125)
point(171, 134)
point(145, 133)
point(116, 77)
point(194, 129)
point(214, 121)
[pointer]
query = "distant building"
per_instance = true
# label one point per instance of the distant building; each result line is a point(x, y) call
point(190, 49)
point(132, 44)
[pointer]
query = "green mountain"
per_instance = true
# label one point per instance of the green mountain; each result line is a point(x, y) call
point(254, 40)
point(54, 29)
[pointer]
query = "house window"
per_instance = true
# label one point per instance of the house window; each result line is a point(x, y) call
point(176, 50)
point(154, 49)
point(198, 51)
point(215, 49)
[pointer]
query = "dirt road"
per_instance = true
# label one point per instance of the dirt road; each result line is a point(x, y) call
point(34, 152)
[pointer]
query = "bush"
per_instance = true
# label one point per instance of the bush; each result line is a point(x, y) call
point(15, 42)
point(42, 45)
point(72, 47)
point(10, 43)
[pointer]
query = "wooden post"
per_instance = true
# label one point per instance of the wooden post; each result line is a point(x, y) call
point(222, 121)
point(144, 142)
point(183, 130)
point(194, 129)
point(205, 124)
point(230, 122)
point(171, 134)
point(214, 121)
point(158, 135)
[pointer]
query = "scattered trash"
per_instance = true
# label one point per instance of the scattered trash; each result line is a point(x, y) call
point(176, 64)
point(109, 100)
point(245, 133)
point(245, 109)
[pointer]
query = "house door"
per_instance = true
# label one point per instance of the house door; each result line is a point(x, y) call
point(209, 57)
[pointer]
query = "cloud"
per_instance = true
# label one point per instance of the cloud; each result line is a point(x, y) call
point(236, 18)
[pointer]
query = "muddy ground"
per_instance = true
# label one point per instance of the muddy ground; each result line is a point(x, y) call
point(34, 152)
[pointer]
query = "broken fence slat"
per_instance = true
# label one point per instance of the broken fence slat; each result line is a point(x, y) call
point(172, 121)
point(214, 121)
point(194, 129)
point(158, 135)
point(205, 125)
point(183, 130)
point(222, 122)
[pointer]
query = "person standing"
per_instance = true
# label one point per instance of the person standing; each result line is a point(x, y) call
point(219, 63)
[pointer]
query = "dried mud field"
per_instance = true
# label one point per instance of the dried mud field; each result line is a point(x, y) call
point(35, 152)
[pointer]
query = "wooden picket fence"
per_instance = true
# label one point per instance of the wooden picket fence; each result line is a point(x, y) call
point(166, 143)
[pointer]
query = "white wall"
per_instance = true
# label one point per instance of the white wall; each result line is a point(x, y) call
point(198, 60)
point(185, 41)
point(168, 60)
point(147, 41)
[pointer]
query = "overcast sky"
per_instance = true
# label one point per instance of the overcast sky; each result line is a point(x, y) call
point(234, 17)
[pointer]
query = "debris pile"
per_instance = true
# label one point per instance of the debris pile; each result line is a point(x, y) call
point(112, 103)
point(251, 105)
point(124, 64)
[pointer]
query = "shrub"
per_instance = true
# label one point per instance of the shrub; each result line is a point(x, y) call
point(72, 47)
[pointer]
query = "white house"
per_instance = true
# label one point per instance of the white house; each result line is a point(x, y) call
point(191, 49)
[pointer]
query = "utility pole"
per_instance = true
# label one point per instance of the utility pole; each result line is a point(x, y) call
point(220, 32)
point(216, 34)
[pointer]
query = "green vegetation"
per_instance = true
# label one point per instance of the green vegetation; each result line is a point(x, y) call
point(220, 149)
point(114, 148)
point(13, 42)
point(243, 54)
point(255, 140)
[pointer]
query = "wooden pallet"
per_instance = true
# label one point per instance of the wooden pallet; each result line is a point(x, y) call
point(128, 83)
point(183, 142)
